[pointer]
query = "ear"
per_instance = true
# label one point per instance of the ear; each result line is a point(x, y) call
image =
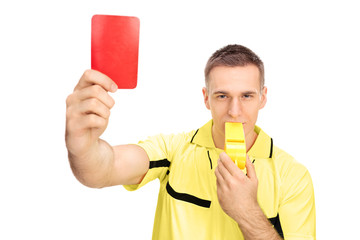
point(263, 98)
point(206, 97)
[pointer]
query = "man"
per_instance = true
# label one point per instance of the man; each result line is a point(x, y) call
point(203, 194)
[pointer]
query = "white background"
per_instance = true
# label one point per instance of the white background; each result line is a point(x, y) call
point(311, 55)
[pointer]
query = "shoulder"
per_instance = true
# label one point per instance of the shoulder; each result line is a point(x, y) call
point(286, 163)
point(293, 175)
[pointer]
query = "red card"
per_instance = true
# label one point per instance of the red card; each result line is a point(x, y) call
point(115, 48)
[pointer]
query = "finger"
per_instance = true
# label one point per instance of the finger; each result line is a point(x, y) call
point(220, 182)
point(93, 77)
point(90, 121)
point(94, 106)
point(95, 91)
point(218, 175)
point(229, 164)
point(250, 169)
point(225, 174)
point(94, 121)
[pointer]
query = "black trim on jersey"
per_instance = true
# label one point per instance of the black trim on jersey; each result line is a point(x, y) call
point(194, 136)
point(271, 148)
point(159, 163)
point(187, 197)
point(252, 163)
point(209, 159)
point(276, 222)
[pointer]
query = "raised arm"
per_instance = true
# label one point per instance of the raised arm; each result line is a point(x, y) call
point(93, 161)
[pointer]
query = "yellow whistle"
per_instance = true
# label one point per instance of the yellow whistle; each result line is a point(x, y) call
point(235, 145)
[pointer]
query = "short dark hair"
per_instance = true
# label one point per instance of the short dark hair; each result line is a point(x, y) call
point(232, 56)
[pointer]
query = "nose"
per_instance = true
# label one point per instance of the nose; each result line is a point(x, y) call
point(235, 108)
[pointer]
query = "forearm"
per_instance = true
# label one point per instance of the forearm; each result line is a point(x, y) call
point(255, 226)
point(94, 166)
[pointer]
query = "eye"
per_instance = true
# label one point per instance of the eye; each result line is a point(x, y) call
point(222, 96)
point(247, 96)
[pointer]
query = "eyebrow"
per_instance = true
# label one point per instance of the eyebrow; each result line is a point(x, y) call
point(243, 93)
point(220, 92)
point(250, 92)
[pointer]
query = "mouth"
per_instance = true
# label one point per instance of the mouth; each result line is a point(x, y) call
point(236, 122)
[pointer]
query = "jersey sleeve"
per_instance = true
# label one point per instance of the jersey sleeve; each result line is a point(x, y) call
point(159, 152)
point(297, 204)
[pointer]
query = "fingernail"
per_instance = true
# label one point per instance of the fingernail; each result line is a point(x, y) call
point(113, 88)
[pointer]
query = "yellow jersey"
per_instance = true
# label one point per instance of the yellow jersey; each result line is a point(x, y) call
point(188, 206)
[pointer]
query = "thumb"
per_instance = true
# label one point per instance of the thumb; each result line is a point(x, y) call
point(250, 169)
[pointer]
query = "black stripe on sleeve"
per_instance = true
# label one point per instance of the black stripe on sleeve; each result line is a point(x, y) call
point(209, 159)
point(271, 148)
point(276, 222)
point(194, 136)
point(159, 163)
point(187, 197)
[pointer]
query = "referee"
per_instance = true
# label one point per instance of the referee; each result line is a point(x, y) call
point(203, 194)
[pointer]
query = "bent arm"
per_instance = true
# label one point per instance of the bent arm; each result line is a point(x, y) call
point(237, 194)
point(255, 225)
point(106, 166)
point(94, 162)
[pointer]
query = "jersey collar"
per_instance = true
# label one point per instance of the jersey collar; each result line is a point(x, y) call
point(203, 136)
point(262, 148)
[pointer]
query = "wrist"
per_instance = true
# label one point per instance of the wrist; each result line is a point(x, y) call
point(246, 214)
point(254, 224)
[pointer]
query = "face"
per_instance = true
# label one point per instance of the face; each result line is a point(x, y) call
point(233, 94)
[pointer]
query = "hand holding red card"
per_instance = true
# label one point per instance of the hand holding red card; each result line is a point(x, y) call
point(115, 48)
